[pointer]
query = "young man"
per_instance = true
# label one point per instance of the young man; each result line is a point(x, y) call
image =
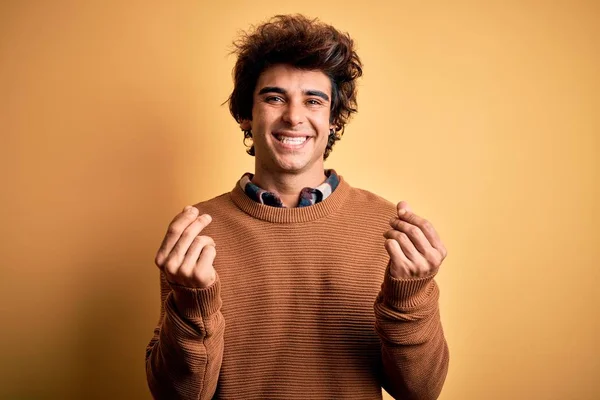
point(319, 289)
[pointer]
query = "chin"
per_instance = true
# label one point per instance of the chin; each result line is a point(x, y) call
point(290, 162)
point(295, 167)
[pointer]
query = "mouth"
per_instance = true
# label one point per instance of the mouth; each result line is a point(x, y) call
point(291, 142)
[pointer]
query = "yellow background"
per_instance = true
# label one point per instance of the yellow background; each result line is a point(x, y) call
point(484, 116)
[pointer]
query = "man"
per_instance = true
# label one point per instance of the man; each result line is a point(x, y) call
point(319, 289)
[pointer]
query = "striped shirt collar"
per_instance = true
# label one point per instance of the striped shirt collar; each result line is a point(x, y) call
point(308, 196)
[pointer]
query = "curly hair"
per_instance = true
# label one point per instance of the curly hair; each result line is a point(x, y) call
point(303, 43)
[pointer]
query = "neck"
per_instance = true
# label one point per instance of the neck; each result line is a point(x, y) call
point(288, 185)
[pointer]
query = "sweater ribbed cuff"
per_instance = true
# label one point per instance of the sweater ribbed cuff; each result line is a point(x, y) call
point(197, 303)
point(406, 293)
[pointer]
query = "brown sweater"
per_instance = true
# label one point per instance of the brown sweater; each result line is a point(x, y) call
point(303, 308)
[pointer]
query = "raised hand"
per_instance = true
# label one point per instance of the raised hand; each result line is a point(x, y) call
point(185, 256)
point(414, 246)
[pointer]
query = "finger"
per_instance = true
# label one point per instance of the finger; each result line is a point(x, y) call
point(207, 257)
point(176, 228)
point(403, 205)
point(188, 235)
point(170, 268)
point(398, 258)
point(416, 236)
point(192, 255)
point(426, 227)
point(408, 248)
point(205, 271)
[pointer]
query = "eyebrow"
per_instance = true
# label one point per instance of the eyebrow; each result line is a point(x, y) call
point(276, 89)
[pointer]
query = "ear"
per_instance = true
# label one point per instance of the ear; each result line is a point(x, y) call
point(246, 125)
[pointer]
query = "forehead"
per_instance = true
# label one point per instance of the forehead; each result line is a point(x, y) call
point(293, 79)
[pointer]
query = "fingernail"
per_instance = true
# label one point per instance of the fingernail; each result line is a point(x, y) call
point(187, 208)
point(401, 211)
point(193, 210)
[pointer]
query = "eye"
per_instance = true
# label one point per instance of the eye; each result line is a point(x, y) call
point(314, 102)
point(274, 99)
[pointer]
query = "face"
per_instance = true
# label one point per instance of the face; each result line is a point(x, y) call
point(290, 120)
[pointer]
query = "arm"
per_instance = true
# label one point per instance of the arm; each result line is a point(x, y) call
point(414, 350)
point(184, 357)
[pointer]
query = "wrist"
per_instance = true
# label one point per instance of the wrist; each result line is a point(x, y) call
point(197, 302)
point(406, 292)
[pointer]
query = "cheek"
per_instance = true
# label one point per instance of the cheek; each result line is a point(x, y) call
point(320, 120)
point(263, 118)
point(323, 125)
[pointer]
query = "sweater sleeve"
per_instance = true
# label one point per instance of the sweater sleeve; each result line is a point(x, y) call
point(414, 351)
point(183, 359)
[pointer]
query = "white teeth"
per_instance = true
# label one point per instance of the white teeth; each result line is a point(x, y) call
point(291, 140)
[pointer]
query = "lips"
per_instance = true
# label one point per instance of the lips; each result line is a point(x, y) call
point(291, 141)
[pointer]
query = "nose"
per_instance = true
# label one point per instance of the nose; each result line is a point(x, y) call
point(293, 113)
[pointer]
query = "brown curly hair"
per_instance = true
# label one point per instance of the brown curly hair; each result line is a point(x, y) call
point(303, 43)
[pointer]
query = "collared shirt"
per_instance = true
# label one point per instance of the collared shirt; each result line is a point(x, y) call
point(308, 196)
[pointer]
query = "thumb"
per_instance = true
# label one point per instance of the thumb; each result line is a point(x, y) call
point(403, 205)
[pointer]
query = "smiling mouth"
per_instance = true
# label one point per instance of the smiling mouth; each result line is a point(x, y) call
point(291, 140)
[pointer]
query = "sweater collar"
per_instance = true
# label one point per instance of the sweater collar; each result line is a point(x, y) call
point(292, 215)
point(308, 196)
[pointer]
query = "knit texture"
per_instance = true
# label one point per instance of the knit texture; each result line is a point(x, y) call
point(303, 307)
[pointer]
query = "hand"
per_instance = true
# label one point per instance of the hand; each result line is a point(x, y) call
point(185, 257)
point(414, 246)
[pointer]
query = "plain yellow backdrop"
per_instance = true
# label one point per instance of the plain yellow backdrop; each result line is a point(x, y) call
point(484, 116)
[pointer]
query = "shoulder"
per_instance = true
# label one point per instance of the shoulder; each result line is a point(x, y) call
point(370, 197)
point(219, 204)
point(365, 199)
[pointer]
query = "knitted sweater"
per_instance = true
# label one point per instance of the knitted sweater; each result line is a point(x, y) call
point(304, 307)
